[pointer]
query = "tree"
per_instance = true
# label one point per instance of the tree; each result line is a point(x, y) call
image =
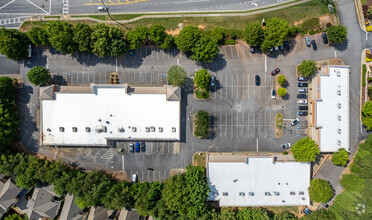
point(285, 215)
point(82, 34)
point(282, 91)
point(7, 93)
point(187, 38)
point(13, 44)
point(61, 35)
point(281, 79)
point(205, 50)
point(8, 126)
point(276, 32)
point(320, 190)
point(103, 37)
point(306, 68)
point(367, 115)
point(118, 196)
point(137, 37)
point(148, 198)
point(14, 216)
point(305, 150)
point(337, 34)
point(177, 76)
point(323, 214)
point(157, 34)
point(39, 36)
point(38, 75)
point(249, 213)
point(201, 128)
point(341, 157)
point(253, 35)
point(218, 35)
point(352, 182)
point(202, 79)
point(118, 48)
point(168, 42)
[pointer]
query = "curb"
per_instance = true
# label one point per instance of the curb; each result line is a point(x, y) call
point(316, 171)
point(358, 7)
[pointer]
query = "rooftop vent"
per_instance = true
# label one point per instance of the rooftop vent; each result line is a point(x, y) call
point(74, 129)
point(338, 73)
point(241, 194)
point(152, 129)
point(301, 193)
point(48, 130)
point(173, 129)
point(292, 193)
point(134, 129)
point(338, 92)
point(339, 130)
point(215, 193)
point(338, 142)
point(339, 117)
point(283, 201)
point(147, 129)
point(251, 193)
point(303, 198)
point(61, 129)
point(160, 129)
point(267, 194)
point(225, 193)
point(99, 120)
point(235, 180)
point(276, 193)
point(87, 129)
point(339, 105)
point(121, 129)
point(101, 129)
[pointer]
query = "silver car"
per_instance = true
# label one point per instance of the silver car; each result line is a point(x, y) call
point(273, 94)
point(134, 178)
point(302, 101)
point(308, 43)
point(302, 90)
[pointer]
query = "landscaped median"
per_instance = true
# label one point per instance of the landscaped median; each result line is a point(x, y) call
point(201, 124)
point(279, 125)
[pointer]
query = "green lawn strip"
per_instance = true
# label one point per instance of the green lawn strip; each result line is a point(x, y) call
point(107, 18)
point(279, 121)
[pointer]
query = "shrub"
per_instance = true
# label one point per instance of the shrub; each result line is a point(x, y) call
point(367, 115)
point(337, 34)
point(341, 157)
point(306, 68)
point(281, 79)
point(229, 42)
point(352, 182)
point(285, 152)
point(364, 71)
point(201, 94)
point(201, 124)
point(320, 190)
point(282, 91)
point(202, 79)
point(305, 150)
point(218, 34)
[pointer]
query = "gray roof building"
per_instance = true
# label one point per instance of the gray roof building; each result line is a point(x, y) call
point(8, 195)
point(70, 211)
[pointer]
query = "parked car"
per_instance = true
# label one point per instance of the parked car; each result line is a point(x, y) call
point(143, 147)
point(302, 90)
point(272, 49)
point(301, 96)
point(325, 38)
point(273, 94)
point(137, 147)
point(258, 80)
point(286, 45)
point(302, 101)
point(302, 84)
point(131, 148)
point(302, 107)
point(325, 205)
point(276, 48)
point(253, 50)
point(302, 78)
point(314, 45)
point(302, 113)
point(281, 47)
point(307, 39)
point(294, 122)
point(274, 72)
point(134, 178)
point(286, 146)
point(213, 81)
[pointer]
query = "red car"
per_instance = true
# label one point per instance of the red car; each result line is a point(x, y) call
point(274, 72)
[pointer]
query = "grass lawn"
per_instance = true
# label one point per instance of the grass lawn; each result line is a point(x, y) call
point(199, 159)
point(292, 209)
point(364, 2)
point(106, 17)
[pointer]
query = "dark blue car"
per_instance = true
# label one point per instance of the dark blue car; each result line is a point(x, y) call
point(137, 147)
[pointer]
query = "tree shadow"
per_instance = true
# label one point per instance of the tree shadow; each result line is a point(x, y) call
point(218, 64)
point(213, 124)
point(173, 52)
point(343, 46)
point(183, 113)
point(286, 97)
point(58, 79)
point(217, 85)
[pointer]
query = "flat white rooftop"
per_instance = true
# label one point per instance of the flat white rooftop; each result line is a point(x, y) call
point(259, 181)
point(110, 112)
point(332, 110)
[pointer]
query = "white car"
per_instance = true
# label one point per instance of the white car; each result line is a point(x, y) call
point(302, 101)
point(294, 122)
point(273, 94)
point(286, 146)
point(134, 178)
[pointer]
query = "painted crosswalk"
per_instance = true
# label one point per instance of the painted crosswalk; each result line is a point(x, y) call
point(65, 7)
point(16, 20)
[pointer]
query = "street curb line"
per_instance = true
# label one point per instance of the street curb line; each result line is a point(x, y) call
point(316, 172)
point(358, 8)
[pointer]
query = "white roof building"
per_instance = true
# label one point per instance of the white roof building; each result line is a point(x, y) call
point(331, 114)
point(90, 116)
point(258, 181)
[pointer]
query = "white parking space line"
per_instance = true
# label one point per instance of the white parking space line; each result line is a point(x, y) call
point(257, 144)
point(265, 63)
point(335, 53)
point(122, 161)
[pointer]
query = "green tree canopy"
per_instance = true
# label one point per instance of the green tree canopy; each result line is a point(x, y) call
point(337, 34)
point(367, 115)
point(7, 92)
point(137, 37)
point(201, 128)
point(61, 34)
point(177, 76)
point(320, 190)
point(285, 215)
point(352, 182)
point(202, 79)
point(13, 44)
point(157, 34)
point(168, 42)
point(249, 213)
point(320, 214)
point(306, 68)
point(276, 32)
point(282, 91)
point(205, 50)
point(305, 150)
point(253, 34)
point(39, 36)
point(118, 48)
point(103, 37)
point(38, 75)
point(281, 79)
point(187, 38)
point(8, 126)
point(14, 216)
point(341, 157)
point(148, 197)
point(82, 33)
point(218, 34)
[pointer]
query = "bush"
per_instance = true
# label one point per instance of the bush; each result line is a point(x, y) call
point(177, 76)
point(370, 92)
point(364, 71)
point(201, 94)
point(341, 157)
point(281, 80)
point(306, 68)
point(229, 42)
point(285, 152)
point(38, 76)
point(282, 91)
point(305, 150)
point(337, 34)
point(352, 182)
point(201, 124)
point(367, 115)
point(320, 190)
point(218, 34)
point(202, 79)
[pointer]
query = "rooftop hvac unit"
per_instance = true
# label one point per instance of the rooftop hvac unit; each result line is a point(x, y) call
point(160, 129)
point(61, 129)
point(276, 193)
point(152, 129)
point(338, 92)
point(292, 193)
point(339, 130)
point(301, 193)
point(267, 194)
point(173, 129)
point(74, 129)
point(225, 193)
point(241, 194)
point(121, 129)
point(338, 73)
point(48, 130)
point(87, 129)
point(147, 129)
point(339, 117)
point(100, 128)
point(134, 129)
point(339, 105)
point(251, 193)
point(338, 142)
